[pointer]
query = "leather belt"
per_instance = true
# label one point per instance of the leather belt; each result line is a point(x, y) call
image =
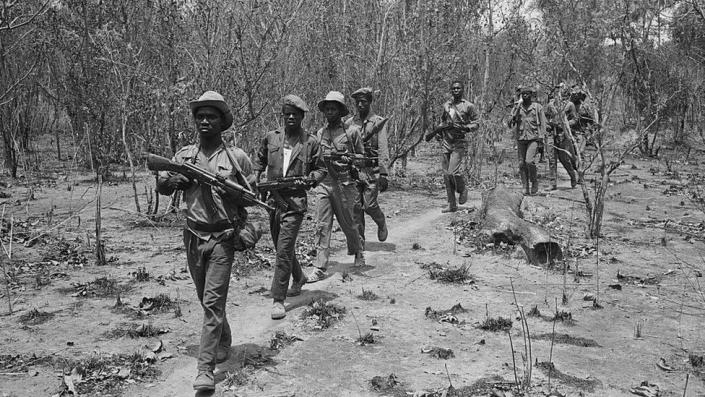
point(218, 226)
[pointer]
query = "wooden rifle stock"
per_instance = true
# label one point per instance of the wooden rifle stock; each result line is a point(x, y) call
point(159, 163)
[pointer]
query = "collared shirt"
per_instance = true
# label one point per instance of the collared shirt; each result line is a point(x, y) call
point(339, 139)
point(464, 113)
point(304, 160)
point(532, 123)
point(204, 206)
point(377, 145)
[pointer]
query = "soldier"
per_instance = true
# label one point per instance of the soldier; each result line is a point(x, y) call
point(374, 178)
point(529, 123)
point(288, 152)
point(461, 115)
point(560, 147)
point(213, 221)
point(573, 111)
point(337, 194)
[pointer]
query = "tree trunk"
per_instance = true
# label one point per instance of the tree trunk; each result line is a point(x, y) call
point(502, 222)
point(129, 159)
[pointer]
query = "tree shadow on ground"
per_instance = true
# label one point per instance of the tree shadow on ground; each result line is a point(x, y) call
point(374, 246)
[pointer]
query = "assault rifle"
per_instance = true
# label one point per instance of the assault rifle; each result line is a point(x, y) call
point(355, 159)
point(192, 171)
point(440, 129)
point(286, 183)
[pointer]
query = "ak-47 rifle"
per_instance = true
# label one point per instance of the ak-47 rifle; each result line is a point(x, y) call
point(192, 171)
point(288, 183)
point(440, 129)
point(354, 159)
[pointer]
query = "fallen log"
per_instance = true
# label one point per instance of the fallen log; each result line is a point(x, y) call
point(502, 221)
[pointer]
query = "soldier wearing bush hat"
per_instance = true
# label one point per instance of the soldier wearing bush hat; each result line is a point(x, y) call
point(337, 194)
point(374, 138)
point(216, 225)
point(289, 152)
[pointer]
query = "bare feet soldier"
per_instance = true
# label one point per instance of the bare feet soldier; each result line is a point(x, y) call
point(459, 117)
point(293, 163)
point(215, 221)
point(337, 194)
point(374, 178)
point(529, 123)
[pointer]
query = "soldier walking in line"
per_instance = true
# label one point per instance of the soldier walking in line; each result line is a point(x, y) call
point(373, 177)
point(289, 152)
point(529, 123)
point(337, 194)
point(460, 116)
point(559, 146)
point(214, 221)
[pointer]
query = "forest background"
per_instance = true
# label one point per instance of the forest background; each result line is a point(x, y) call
point(105, 82)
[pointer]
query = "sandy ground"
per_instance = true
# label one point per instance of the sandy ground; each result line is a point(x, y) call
point(652, 237)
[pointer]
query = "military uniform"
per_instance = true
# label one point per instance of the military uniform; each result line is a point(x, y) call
point(560, 148)
point(290, 206)
point(374, 136)
point(529, 124)
point(337, 194)
point(212, 224)
point(455, 146)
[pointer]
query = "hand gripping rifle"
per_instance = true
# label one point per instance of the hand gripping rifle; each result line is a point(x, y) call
point(439, 130)
point(284, 184)
point(354, 159)
point(192, 171)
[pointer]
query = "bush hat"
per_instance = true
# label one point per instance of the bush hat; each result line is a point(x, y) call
point(295, 101)
point(213, 99)
point(363, 92)
point(336, 97)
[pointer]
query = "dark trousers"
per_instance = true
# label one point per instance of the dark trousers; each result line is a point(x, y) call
point(285, 227)
point(210, 262)
point(370, 206)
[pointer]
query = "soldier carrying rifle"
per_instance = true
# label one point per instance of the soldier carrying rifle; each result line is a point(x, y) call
point(337, 194)
point(374, 177)
point(529, 124)
point(293, 154)
point(216, 224)
point(459, 117)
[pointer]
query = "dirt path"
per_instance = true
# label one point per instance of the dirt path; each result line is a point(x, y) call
point(252, 325)
point(648, 270)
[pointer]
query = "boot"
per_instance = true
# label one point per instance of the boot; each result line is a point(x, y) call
point(573, 179)
point(359, 260)
point(533, 177)
point(462, 189)
point(524, 178)
point(450, 191)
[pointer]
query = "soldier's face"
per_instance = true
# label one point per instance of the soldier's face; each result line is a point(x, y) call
point(292, 116)
point(526, 96)
point(363, 105)
point(456, 90)
point(332, 111)
point(208, 120)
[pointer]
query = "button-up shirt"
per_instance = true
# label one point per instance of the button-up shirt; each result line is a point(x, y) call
point(339, 139)
point(531, 123)
point(305, 160)
point(375, 140)
point(463, 113)
point(203, 206)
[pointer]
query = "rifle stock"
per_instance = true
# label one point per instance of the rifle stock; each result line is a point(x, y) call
point(159, 163)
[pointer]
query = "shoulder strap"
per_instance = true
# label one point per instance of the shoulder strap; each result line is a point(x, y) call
point(237, 168)
point(348, 135)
